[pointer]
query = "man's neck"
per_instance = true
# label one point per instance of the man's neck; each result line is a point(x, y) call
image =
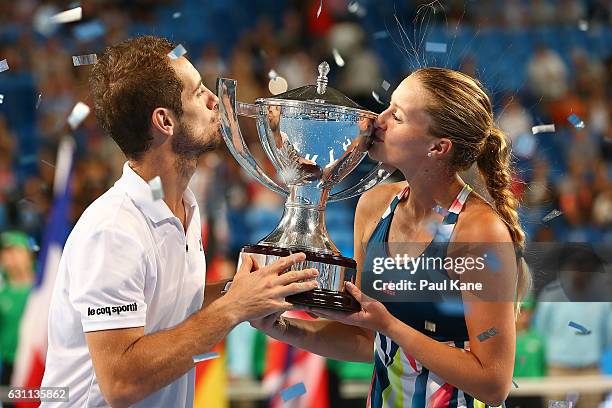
point(174, 175)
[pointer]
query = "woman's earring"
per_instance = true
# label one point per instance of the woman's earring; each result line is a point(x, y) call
point(429, 154)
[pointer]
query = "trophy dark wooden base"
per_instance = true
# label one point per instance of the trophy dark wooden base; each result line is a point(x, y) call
point(334, 270)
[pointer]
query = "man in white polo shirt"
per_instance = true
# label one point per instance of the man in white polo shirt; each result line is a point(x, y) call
point(129, 308)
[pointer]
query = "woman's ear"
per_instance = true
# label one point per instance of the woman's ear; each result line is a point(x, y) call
point(441, 146)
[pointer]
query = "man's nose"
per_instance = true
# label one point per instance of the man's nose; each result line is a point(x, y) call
point(213, 102)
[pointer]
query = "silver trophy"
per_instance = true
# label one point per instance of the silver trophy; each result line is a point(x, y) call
point(314, 136)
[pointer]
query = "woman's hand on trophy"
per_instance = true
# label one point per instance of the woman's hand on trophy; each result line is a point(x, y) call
point(258, 292)
point(373, 314)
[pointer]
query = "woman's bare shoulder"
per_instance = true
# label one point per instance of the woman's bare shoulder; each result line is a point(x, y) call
point(373, 203)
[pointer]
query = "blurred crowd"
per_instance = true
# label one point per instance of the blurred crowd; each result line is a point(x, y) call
point(568, 170)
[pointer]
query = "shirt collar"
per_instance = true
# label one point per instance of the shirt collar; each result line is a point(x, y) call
point(140, 192)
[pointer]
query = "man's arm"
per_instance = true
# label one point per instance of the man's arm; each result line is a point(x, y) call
point(130, 365)
point(213, 291)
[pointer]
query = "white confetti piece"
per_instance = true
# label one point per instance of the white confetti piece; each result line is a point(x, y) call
point(277, 85)
point(380, 35)
point(435, 47)
point(177, 52)
point(355, 8)
point(320, 9)
point(430, 326)
point(272, 74)
point(1, 98)
point(551, 215)
point(559, 404)
point(338, 58)
point(583, 25)
point(4, 65)
point(89, 59)
point(68, 16)
point(331, 156)
point(78, 115)
point(377, 98)
point(157, 190)
point(385, 85)
point(39, 100)
point(543, 129)
point(176, 14)
point(206, 356)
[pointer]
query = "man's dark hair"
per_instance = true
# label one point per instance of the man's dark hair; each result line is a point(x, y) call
point(129, 81)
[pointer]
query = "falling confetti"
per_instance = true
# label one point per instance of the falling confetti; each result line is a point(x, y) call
point(272, 74)
point(377, 98)
point(514, 383)
point(89, 31)
point(176, 14)
point(440, 210)
point(581, 329)
point(493, 262)
point(355, 8)
point(68, 16)
point(559, 404)
point(435, 47)
point(543, 129)
point(292, 392)
point(39, 100)
point(89, 59)
point(47, 163)
point(551, 215)
point(380, 35)
point(575, 121)
point(338, 58)
point(1, 98)
point(4, 65)
point(156, 188)
point(583, 25)
point(206, 356)
point(430, 326)
point(320, 9)
point(78, 115)
point(487, 334)
point(177, 52)
point(385, 85)
point(33, 245)
point(278, 85)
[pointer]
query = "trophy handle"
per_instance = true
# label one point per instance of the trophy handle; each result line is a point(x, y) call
point(230, 130)
point(379, 173)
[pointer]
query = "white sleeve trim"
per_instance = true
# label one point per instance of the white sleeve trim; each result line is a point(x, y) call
point(122, 323)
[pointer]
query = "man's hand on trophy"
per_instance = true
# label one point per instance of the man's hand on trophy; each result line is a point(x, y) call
point(258, 292)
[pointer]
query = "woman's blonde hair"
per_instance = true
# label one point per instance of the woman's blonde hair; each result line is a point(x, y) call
point(462, 112)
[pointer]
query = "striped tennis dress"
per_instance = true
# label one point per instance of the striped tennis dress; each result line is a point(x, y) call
point(399, 380)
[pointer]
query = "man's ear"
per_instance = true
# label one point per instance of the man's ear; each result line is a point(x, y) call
point(163, 121)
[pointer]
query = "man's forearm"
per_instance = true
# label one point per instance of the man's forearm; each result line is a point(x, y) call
point(326, 338)
point(156, 360)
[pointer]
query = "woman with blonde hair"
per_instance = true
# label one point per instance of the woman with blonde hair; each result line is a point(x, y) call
point(439, 123)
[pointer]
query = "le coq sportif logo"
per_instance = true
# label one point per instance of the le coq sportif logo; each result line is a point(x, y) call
point(110, 310)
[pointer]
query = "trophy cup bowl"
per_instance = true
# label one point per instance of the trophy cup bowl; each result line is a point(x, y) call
point(314, 136)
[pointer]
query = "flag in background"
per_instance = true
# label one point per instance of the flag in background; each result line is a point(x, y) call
point(287, 366)
point(211, 375)
point(32, 347)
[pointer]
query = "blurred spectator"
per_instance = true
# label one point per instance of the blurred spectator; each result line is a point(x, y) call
point(530, 357)
point(576, 297)
point(16, 279)
point(547, 73)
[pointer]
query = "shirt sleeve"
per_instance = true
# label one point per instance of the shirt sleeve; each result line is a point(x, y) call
point(107, 280)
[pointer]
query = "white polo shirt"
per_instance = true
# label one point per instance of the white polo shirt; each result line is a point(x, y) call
point(126, 263)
